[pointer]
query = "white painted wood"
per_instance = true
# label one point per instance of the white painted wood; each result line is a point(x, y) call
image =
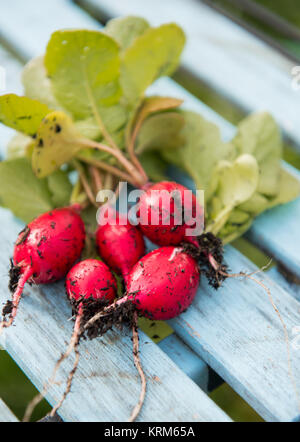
point(228, 58)
point(5, 414)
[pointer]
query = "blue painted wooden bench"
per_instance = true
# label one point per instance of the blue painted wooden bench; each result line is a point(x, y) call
point(234, 331)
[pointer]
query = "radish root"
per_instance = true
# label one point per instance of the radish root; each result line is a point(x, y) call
point(268, 291)
point(137, 362)
point(72, 345)
point(16, 298)
point(69, 381)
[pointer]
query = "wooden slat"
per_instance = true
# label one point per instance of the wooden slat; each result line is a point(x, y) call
point(232, 61)
point(283, 244)
point(237, 332)
point(106, 386)
point(186, 359)
point(5, 414)
point(250, 325)
point(289, 286)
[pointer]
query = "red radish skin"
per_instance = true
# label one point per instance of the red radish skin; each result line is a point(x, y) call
point(45, 250)
point(91, 279)
point(120, 245)
point(88, 281)
point(168, 231)
point(163, 283)
point(160, 286)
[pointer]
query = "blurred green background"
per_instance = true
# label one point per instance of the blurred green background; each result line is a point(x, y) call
point(15, 389)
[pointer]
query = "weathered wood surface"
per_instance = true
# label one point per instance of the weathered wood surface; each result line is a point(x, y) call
point(5, 414)
point(235, 330)
point(228, 58)
point(186, 359)
point(288, 285)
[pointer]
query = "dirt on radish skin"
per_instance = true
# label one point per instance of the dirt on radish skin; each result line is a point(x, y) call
point(90, 286)
point(44, 251)
point(164, 283)
point(160, 286)
point(172, 225)
point(120, 244)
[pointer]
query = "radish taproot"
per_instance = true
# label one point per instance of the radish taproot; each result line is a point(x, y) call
point(90, 286)
point(120, 244)
point(44, 252)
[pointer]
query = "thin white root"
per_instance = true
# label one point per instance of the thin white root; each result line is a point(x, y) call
point(286, 335)
point(137, 362)
point(106, 311)
point(73, 343)
point(16, 299)
point(69, 381)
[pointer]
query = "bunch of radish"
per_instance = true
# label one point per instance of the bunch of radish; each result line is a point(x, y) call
point(159, 285)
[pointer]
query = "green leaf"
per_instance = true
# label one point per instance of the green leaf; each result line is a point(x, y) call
point(235, 182)
point(21, 191)
point(289, 186)
point(149, 106)
point(114, 119)
point(201, 151)
point(231, 232)
point(19, 146)
point(256, 204)
point(84, 70)
point(259, 135)
point(154, 166)
point(126, 29)
point(37, 84)
point(161, 131)
point(152, 55)
point(57, 142)
point(88, 128)
point(22, 113)
point(60, 188)
point(238, 180)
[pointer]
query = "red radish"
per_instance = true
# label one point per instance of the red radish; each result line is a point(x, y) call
point(90, 286)
point(90, 281)
point(45, 250)
point(120, 244)
point(160, 286)
point(164, 283)
point(172, 220)
point(184, 214)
